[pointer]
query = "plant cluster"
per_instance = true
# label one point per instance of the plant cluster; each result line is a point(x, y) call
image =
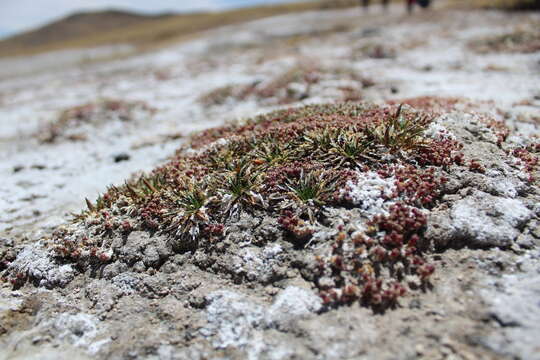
point(71, 119)
point(375, 51)
point(378, 266)
point(292, 165)
point(295, 84)
point(476, 166)
point(500, 130)
point(519, 41)
point(527, 159)
point(432, 104)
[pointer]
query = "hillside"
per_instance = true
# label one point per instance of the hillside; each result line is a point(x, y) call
point(86, 30)
point(76, 26)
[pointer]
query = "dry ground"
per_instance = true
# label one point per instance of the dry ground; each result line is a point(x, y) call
point(427, 54)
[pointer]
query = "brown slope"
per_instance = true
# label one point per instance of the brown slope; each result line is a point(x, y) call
point(75, 27)
point(104, 28)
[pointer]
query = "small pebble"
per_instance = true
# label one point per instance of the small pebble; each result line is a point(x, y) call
point(121, 157)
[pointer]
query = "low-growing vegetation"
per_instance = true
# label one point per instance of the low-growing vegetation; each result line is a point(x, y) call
point(69, 124)
point(293, 165)
point(374, 50)
point(519, 41)
point(292, 85)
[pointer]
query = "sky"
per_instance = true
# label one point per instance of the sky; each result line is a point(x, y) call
point(21, 15)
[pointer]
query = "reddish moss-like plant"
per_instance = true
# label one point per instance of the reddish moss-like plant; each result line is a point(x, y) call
point(527, 159)
point(293, 85)
point(519, 41)
point(291, 165)
point(94, 114)
point(376, 268)
point(431, 103)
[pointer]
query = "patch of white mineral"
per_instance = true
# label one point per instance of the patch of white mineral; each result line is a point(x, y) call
point(368, 192)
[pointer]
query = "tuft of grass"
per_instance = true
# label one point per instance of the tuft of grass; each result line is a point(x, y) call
point(190, 211)
point(400, 131)
point(311, 188)
point(350, 147)
point(343, 147)
point(270, 153)
point(193, 200)
point(238, 188)
point(239, 181)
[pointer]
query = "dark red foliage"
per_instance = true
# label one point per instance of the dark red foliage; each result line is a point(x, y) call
point(393, 241)
point(417, 186)
point(403, 221)
point(214, 229)
point(475, 166)
point(528, 160)
point(442, 152)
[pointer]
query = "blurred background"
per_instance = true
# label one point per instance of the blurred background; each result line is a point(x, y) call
point(30, 27)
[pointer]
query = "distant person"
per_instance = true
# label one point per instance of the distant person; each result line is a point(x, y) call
point(421, 3)
point(365, 3)
point(410, 4)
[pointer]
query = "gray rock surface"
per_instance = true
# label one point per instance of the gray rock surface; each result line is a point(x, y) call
point(479, 220)
point(36, 262)
point(514, 303)
point(251, 295)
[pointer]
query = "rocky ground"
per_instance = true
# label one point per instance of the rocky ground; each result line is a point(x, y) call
point(256, 292)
